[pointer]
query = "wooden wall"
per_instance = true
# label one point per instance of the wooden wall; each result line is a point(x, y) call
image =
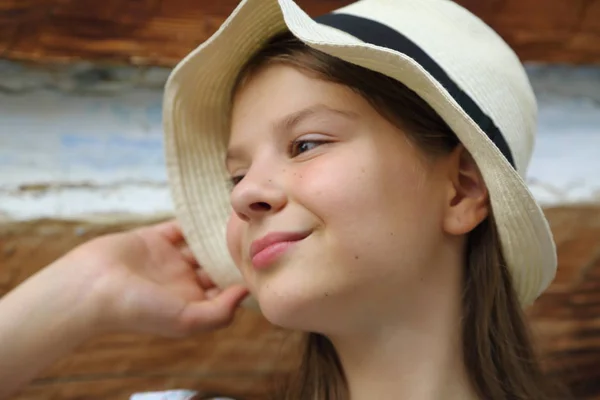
point(246, 358)
point(239, 361)
point(160, 32)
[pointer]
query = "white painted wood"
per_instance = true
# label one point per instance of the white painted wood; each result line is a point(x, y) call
point(83, 140)
point(565, 167)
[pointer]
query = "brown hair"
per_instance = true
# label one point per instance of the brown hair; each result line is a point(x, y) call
point(497, 348)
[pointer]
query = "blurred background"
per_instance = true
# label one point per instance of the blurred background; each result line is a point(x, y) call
point(81, 155)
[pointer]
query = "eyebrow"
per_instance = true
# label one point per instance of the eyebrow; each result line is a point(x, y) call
point(292, 120)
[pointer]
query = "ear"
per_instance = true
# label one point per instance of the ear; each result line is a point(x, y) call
point(468, 197)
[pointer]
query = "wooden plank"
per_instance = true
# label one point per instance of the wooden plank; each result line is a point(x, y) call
point(566, 319)
point(250, 387)
point(558, 31)
point(156, 32)
point(245, 359)
point(88, 140)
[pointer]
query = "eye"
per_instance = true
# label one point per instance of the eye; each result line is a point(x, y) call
point(234, 180)
point(298, 147)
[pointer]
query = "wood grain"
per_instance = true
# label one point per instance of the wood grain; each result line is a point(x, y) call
point(160, 32)
point(566, 319)
point(246, 359)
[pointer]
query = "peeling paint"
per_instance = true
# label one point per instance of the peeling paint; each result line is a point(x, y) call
point(80, 78)
point(77, 202)
point(87, 139)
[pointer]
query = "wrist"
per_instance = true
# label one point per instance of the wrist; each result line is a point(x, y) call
point(60, 298)
point(43, 319)
point(92, 287)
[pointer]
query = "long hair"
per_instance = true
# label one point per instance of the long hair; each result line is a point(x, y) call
point(498, 352)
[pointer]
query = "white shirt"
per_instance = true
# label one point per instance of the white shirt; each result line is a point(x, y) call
point(170, 395)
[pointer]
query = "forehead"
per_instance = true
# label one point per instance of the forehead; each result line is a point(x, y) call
point(280, 92)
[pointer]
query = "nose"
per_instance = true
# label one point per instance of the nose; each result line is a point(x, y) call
point(257, 195)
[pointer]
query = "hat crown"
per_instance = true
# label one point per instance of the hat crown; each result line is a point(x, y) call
point(454, 61)
point(475, 57)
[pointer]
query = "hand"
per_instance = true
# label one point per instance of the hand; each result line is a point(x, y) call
point(141, 281)
point(147, 281)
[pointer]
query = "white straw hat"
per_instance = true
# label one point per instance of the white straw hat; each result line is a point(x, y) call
point(441, 51)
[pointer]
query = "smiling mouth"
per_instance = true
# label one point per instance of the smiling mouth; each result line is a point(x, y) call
point(265, 251)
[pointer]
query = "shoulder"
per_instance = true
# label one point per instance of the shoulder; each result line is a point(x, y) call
point(166, 395)
point(173, 395)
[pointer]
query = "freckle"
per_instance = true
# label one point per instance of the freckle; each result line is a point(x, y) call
point(326, 294)
point(391, 233)
point(356, 257)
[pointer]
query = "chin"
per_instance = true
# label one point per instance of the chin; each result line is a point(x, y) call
point(296, 304)
point(293, 314)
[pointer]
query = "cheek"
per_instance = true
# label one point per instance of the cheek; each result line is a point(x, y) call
point(371, 203)
point(330, 185)
point(346, 189)
point(234, 239)
point(235, 244)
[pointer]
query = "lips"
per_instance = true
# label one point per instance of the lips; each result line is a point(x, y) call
point(267, 249)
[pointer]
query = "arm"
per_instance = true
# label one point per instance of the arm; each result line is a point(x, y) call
point(40, 323)
point(141, 281)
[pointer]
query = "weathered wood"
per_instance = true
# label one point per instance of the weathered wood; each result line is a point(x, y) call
point(566, 319)
point(247, 358)
point(244, 360)
point(560, 31)
point(156, 32)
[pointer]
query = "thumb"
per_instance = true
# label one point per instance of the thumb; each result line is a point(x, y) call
point(214, 313)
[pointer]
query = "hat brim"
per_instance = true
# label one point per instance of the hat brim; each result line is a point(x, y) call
point(196, 113)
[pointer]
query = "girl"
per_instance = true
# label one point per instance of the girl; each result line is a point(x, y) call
point(375, 157)
point(139, 281)
point(361, 174)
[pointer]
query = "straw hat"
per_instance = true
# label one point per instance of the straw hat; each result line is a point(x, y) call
point(448, 56)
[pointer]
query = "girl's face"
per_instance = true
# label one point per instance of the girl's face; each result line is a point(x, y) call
point(337, 218)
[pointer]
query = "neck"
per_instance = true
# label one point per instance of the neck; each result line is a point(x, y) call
point(405, 364)
point(420, 356)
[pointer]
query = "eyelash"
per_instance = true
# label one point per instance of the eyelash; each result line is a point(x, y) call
point(234, 180)
point(293, 146)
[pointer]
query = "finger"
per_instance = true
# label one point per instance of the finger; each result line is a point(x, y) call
point(205, 281)
point(188, 256)
point(171, 230)
point(215, 313)
point(212, 293)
